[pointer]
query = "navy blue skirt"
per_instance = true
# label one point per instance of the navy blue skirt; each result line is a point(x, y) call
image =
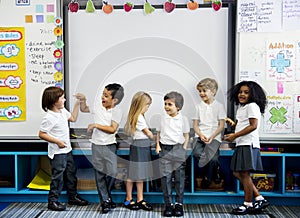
point(246, 158)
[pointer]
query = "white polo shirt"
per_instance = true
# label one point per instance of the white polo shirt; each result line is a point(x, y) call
point(141, 124)
point(243, 114)
point(105, 117)
point(56, 125)
point(209, 116)
point(172, 128)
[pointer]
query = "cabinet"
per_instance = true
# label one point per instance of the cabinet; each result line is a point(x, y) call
point(18, 169)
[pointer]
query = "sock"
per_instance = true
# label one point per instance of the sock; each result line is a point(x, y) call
point(248, 204)
point(259, 198)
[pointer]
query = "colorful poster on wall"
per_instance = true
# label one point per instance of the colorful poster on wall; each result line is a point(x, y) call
point(12, 74)
point(281, 61)
point(278, 117)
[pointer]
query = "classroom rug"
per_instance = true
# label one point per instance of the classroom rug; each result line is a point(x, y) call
point(40, 210)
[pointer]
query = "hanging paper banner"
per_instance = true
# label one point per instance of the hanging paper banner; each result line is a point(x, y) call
point(12, 74)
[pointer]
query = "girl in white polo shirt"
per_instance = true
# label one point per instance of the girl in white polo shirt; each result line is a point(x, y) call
point(251, 100)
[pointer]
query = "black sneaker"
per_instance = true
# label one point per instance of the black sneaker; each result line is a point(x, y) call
point(178, 210)
point(105, 207)
point(261, 204)
point(168, 212)
point(242, 210)
point(56, 206)
point(112, 204)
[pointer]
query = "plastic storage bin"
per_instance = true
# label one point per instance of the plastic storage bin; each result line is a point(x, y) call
point(264, 182)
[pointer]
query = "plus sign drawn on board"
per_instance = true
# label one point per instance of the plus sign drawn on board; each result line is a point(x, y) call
point(280, 63)
point(278, 115)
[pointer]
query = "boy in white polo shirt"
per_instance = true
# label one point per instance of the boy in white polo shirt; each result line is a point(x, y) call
point(208, 122)
point(107, 119)
point(172, 141)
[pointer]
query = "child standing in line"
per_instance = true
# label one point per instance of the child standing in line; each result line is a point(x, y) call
point(251, 100)
point(140, 151)
point(104, 144)
point(172, 140)
point(55, 130)
point(208, 122)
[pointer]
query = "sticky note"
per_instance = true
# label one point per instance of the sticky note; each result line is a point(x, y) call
point(39, 18)
point(28, 19)
point(50, 8)
point(50, 18)
point(39, 8)
point(279, 87)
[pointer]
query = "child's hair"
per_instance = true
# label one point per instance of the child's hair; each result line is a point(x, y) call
point(138, 102)
point(117, 91)
point(50, 97)
point(178, 98)
point(256, 94)
point(208, 83)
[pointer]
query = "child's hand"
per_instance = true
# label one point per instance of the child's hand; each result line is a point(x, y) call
point(79, 96)
point(157, 149)
point(229, 137)
point(61, 144)
point(91, 127)
point(229, 121)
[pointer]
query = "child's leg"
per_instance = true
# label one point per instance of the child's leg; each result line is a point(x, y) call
point(165, 166)
point(70, 176)
point(179, 183)
point(247, 184)
point(139, 190)
point(129, 185)
point(58, 166)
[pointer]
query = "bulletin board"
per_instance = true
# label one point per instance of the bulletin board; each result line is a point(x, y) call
point(28, 41)
point(268, 52)
point(156, 53)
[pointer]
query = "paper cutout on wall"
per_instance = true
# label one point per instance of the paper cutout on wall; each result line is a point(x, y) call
point(12, 74)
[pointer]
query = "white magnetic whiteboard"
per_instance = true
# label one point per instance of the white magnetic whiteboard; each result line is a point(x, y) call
point(155, 53)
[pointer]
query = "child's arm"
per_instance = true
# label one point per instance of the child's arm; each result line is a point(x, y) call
point(108, 129)
point(157, 148)
point(253, 122)
point(197, 130)
point(83, 106)
point(186, 140)
point(218, 131)
point(45, 136)
point(75, 112)
point(230, 121)
point(148, 133)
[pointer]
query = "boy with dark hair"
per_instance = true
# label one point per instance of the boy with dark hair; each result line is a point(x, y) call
point(104, 144)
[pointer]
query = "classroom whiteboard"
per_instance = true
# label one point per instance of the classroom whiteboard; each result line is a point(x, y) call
point(155, 53)
point(35, 19)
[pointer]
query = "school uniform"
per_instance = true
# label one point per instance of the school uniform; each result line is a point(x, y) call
point(172, 155)
point(140, 165)
point(246, 152)
point(62, 163)
point(209, 116)
point(104, 146)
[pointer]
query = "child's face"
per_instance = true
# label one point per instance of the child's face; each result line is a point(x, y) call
point(107, 100)
point(206, 95)
point(171, 108)
point(244, 94)
point(60, 103)
point(145, 109)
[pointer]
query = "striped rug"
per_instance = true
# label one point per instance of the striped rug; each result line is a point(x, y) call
point(39, 210)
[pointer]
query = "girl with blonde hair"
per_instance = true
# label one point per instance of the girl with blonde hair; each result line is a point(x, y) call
point(140, 152)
